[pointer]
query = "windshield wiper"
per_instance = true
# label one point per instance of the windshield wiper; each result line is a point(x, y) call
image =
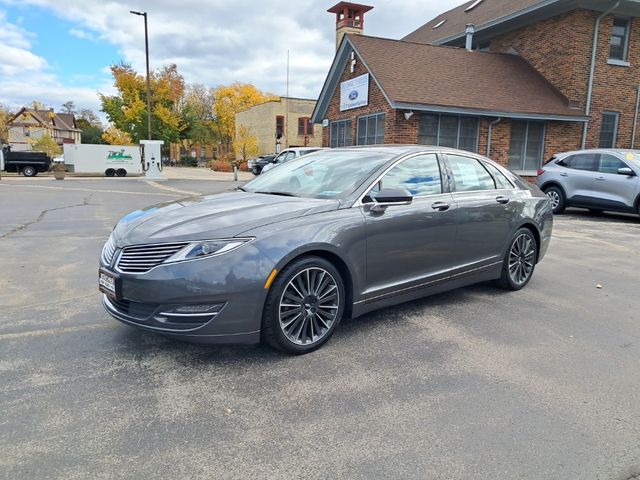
point(283, 194)
point(242, 189)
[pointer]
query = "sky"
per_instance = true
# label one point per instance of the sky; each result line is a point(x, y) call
point(55, 51)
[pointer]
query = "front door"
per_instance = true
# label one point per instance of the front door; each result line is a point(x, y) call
point(610, 189)
point(410, 245)
point(578, 175)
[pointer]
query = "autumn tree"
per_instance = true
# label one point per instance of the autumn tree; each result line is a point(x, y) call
point(5, 116)
point(245, 144)
point(48, 145)
point(114, 136)
point(197, 114)
point(229, 100)
point(127, 109)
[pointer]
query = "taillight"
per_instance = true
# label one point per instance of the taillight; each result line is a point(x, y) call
point(540, 171)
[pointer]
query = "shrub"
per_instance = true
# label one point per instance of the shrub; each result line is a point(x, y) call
point(221, 166)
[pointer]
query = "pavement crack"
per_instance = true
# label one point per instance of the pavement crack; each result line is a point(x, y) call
point(85, 202)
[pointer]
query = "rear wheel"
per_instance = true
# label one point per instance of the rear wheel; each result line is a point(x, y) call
point(304, 306)
point(29, 172)
point(121, 172)
point(110, 172)
point(557, 199)
point(520, 260)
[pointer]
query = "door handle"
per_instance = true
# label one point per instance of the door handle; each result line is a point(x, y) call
point(503, 200)
point(564, 174)
point(600, 178)
point(441, 206)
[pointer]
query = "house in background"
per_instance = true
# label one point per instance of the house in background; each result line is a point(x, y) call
point(280, 124)
point(514, 80)
point(29, 125)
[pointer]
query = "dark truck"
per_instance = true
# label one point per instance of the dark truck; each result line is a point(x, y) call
point(27, 163)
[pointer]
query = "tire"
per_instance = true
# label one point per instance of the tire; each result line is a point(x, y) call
point(519, 261)
point(29, 172)
point(296, 322)
point(557, 199)
point(110, 172)
point(121, 172)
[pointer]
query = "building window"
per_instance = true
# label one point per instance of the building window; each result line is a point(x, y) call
point(371, 129)
point(279, 126)
point(609, 130)
point(340, 134)
point(449, 131)
point(619, 39)
point(305, 127)
point(527, 146)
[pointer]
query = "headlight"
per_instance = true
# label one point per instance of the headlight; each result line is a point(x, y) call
point(206, 248)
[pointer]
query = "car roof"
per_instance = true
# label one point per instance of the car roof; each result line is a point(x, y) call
point(615, 151)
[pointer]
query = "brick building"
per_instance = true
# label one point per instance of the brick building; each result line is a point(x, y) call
point(516, 80)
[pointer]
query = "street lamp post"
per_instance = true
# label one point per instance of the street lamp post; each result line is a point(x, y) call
point(146, 49)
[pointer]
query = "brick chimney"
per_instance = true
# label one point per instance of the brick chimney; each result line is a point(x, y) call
point(349, 19)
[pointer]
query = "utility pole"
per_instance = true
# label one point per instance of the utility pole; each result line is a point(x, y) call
point(146, 51)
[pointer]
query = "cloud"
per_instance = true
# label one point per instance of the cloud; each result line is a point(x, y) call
point(82, 34)
point(217, 42)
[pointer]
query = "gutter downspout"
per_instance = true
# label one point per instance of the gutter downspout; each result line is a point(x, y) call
point(495, 122)
point(592, 70)
point(635, 120)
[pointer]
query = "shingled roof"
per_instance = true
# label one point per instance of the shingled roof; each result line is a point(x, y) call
point(456, 20)
point(449, 79)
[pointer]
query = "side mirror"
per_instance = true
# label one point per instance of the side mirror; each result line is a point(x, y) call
point(626, 171)
point(388, 197)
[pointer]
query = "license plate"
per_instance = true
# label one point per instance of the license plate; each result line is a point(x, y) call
point(107, 283)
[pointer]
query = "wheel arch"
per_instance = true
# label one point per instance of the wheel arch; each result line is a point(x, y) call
point(553, 183)
point(337, 261)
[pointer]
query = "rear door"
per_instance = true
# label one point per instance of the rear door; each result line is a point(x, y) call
point(410, 245)
point(485, 209)
point(577, 176)
point(610, 189)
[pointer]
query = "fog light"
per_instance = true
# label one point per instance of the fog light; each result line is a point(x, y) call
point(191, 309)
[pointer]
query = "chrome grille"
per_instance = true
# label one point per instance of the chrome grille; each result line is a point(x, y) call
point(142, 258)
point(108, 250)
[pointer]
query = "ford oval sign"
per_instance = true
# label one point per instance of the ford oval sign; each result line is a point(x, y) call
point(353, 95)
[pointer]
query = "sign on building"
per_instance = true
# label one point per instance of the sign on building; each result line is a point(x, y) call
point(354, 93)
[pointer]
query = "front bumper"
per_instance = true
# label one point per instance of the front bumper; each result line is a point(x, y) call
point(232, 284)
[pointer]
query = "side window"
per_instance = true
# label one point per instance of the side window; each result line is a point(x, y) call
point(419, 175)
point(469, 175)
point(583, 161)
point(502, 182)
point(610, 164)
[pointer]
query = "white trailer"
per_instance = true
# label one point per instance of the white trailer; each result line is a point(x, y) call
point(109, 160)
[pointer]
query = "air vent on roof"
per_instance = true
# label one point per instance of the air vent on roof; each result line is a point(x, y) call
point(439, 24)
point(473, 5)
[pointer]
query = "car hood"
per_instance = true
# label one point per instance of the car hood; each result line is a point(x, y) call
point(223, 215)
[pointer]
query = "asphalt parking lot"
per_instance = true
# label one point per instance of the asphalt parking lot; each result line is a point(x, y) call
point(472, 384)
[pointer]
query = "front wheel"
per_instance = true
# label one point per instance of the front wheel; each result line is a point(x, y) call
point(304, 306)
point(557, 199)
point(29, 172)
point(520, 260)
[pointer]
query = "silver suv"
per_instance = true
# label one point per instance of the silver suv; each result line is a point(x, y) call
point(603, 179)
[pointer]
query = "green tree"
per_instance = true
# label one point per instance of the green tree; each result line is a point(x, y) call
point(91, 126)
point(5, 116)
point(196, 110)
point(48, 145)
point(127, 109)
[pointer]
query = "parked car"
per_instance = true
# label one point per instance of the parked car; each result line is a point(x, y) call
point(289, 154)
point(256, 165)
point(27, 163)
point(602, 179)
point(331, 235)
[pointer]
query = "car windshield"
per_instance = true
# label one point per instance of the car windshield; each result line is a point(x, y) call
point(323, 174)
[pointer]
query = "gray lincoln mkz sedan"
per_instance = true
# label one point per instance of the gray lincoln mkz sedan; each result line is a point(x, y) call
point(334, 234)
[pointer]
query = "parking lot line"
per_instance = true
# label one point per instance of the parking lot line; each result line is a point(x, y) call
point(92, 190)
